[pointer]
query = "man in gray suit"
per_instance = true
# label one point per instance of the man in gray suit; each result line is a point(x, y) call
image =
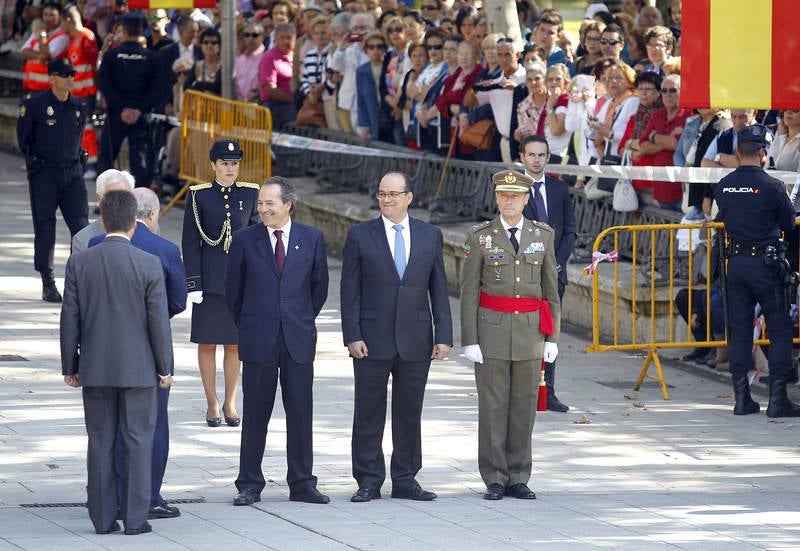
point(118, 355)
point(108, 180)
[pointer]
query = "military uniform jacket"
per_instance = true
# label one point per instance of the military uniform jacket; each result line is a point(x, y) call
point(491, 266)
point(50, 129)
point(213, 213)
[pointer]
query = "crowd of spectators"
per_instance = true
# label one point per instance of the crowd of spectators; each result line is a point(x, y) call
point(428, 75)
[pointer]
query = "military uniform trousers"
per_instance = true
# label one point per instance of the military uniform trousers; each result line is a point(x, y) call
point(54, 188)
point(507, 394)
point(114, 132)
point(749, 282)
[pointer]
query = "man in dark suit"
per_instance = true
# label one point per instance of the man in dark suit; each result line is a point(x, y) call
point(168, 253)
point(118, 355)
point(184, 47)
point(550, 203)
point(275, 286)
point(393, 285)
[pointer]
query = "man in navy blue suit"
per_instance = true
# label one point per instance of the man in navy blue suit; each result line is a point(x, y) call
point(393, 286)
point(175, 278)
point(550, 203)
point(275, 286)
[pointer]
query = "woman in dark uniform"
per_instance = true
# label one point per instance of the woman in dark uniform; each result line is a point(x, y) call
point(213, 213)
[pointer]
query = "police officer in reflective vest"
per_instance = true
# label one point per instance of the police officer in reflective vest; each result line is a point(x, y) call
point(49, 131)
point(755, 210)
point(510, 320)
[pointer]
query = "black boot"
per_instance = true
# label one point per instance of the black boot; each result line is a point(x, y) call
point(741, 389)
point(49, 290)
point(779, 403)
point(553, 403)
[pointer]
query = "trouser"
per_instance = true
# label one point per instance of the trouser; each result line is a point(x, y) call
point(134, 409)
point(750, 282)
point(114, 132)
point(507, 394)
point(259, 385)
point(369, 419)
point(282, 112)
point(160, 451)
point(50, 189)
point(345, 120)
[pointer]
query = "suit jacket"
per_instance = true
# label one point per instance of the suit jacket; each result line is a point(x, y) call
point(166, 57)
point(262, 300)
point(170, 257)
point(80, 241)
point(114, 322)
point(369, 108)
point(560, 217)
point(393, 315)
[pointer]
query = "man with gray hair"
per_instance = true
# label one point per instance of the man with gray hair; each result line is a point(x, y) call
point(145, 238)
point(109, 180)
point(348, 60)
point(275, 76)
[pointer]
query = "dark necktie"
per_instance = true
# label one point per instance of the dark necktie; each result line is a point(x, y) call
point(514, 242)
point(280, 252)
point(538, 198)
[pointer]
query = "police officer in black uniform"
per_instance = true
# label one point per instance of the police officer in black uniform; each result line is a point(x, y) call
point(755, 210)
point(128, 79)
point(213, 213)
point(49, 131)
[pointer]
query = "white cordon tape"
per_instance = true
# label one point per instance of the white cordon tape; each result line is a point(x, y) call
point(648, 173)
point(16, 75)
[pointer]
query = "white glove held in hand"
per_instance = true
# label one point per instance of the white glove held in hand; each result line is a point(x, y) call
point(195, 297)
point(473, 353)
point(550, 352)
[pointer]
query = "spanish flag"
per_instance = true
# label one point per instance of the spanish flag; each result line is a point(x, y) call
point(741, 54)
point(170, 4)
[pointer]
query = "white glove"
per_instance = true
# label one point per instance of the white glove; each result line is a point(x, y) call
point(195, 297)
point(473, 353)
point(550, 352)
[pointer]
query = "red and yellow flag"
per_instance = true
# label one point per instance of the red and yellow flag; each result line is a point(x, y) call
point(741, 54)
point(170, 4)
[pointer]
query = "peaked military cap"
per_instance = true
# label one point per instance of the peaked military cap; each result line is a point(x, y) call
point(60, 67)
point(511, 180)
point(226, 150)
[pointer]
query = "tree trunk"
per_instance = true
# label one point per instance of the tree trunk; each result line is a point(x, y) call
point(501, 17)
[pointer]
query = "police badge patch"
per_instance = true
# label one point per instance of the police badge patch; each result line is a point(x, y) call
point(50, 111)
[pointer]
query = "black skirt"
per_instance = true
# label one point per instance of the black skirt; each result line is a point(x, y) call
point(212, 322)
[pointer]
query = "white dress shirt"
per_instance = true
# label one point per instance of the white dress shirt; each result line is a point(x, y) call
point(519, 225)
point(118, 234)
point(390, 233)
point(285, 237)
point(542, 190)
point(186, 52)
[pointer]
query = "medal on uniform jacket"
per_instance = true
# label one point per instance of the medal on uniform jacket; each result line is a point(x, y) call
point(50, 111)
point(467, 249)
point(535, 247)
point(488, 243)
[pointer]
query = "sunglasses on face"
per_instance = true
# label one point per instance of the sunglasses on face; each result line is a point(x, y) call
point(251, 35)
point(395, 29)
point(669, 90)
point(607, 42)
point(434, 47)
point(210, 43)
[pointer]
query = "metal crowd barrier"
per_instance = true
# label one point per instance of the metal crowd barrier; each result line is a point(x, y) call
point(655, 262)
point(207, 118)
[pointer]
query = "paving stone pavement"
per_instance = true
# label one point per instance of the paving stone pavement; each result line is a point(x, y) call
point(642, 473)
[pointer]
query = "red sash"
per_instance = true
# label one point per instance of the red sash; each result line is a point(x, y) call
point(510, 305)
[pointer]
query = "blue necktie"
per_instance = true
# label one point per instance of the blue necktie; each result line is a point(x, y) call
point(538, 198)
point(399, 250)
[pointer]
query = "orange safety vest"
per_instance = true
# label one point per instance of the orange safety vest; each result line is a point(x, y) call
point(82, 53)
point(34, 72)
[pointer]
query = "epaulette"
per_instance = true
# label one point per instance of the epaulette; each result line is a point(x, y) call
point(542, 225)
point(480, 226)
point(248, 184)
point(198, 187)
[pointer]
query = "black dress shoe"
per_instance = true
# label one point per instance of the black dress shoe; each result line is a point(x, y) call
point(311, 495)
point(163, 511)
point(363, 495)
point(416, 493)
point(520, 491)
point(246, 497)
point(494, 492)
point(143, 529)
point(114, 528)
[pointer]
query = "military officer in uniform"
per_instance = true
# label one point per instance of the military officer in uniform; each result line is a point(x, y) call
point(510, 320)
point(49, 131)
point(755, 210)
point(213, 213)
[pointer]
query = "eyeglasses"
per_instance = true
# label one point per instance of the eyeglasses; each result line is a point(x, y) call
point(395, 29)
point(383, 195)
point(607, 42)
point(250, 35)
point(430, 8)
point(670, 90)
point(434, 46)
point(210, 43)
point(375, 46)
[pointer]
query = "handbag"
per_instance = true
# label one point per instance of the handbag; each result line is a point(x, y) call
point(625, 198)
point(312, 113)
point(592, 192)
point(608, 184)
point(479, 135)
